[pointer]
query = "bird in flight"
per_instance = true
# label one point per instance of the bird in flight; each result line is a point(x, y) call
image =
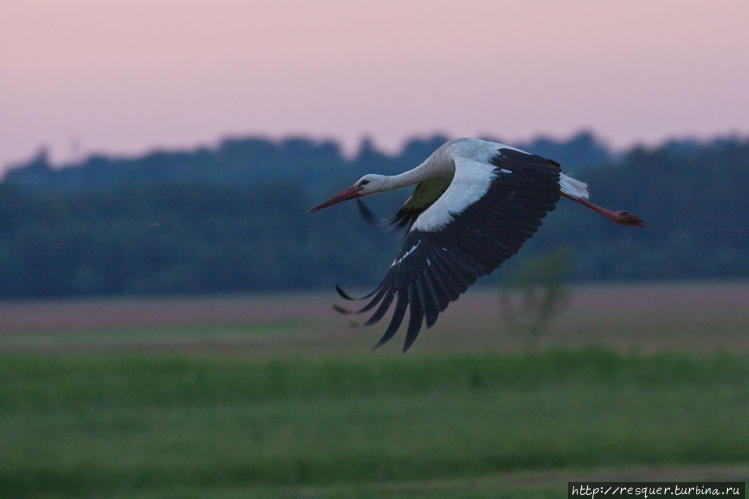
point(476, 202)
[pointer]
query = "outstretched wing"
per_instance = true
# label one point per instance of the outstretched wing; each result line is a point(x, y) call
point(486, 214)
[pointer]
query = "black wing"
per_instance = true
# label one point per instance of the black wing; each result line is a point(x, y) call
point(435, 267)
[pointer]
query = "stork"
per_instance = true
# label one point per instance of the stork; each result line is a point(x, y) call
point(476, 202)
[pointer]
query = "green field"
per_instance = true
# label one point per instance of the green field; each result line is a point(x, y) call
point(289, 402)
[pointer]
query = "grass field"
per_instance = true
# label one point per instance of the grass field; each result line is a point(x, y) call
point(276, 396)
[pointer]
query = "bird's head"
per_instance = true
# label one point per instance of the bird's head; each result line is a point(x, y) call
point(368, 184)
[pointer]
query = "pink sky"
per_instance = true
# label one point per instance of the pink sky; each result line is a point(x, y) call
point(126, 76)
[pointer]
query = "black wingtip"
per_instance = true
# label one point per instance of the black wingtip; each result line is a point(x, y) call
point(341, 310)
point(382, 341)
point(343, 294)
point(411, 336)
point(385, 337)
point(366, 213)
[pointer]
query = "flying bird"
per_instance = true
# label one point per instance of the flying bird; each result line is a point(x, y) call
point(476, 202)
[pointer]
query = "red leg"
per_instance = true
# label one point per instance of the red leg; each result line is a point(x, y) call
point(620, 217)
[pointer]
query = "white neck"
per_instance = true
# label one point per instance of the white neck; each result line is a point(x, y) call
point(428, 169)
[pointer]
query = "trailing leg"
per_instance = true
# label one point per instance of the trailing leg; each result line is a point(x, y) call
point(620, 217)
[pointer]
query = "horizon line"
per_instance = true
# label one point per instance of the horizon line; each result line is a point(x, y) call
point(350, 151)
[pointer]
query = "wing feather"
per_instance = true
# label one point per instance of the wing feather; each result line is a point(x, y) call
point(395, 321)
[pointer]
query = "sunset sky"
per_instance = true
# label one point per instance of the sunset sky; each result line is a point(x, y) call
point(123, 77)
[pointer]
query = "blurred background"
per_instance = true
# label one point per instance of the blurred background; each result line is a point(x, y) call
point(165, 320)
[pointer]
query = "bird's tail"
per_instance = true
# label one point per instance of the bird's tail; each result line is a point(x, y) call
point(573, 187)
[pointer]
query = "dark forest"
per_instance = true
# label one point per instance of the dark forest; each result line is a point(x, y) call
point(233, 217)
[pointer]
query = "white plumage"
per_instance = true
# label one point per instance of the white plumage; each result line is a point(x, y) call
point(572, 187)
point(470, 182)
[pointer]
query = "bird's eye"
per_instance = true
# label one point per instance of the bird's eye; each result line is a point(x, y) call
point(363, 182)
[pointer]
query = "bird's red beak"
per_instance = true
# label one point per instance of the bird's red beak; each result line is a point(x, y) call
point(346, 194)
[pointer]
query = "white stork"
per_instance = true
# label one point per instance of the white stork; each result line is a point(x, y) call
point(475, 205)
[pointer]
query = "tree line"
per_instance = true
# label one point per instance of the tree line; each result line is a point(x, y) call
point(233, 217)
